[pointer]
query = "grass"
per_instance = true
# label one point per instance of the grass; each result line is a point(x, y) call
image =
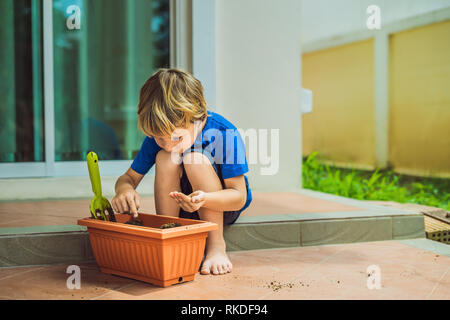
point(377, 185)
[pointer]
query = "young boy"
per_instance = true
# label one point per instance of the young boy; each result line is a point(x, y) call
point(199, 156)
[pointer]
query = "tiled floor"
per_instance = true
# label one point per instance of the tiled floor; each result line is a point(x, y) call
point(324, 272)
point(67, 212)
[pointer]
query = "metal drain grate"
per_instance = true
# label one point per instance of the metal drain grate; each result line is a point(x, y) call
point(437, 230)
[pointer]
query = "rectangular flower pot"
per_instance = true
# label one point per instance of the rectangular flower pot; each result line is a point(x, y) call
point(162, 257)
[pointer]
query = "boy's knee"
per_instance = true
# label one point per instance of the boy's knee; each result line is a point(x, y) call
point(168, 162)
point(201, 172)
point(196, 158)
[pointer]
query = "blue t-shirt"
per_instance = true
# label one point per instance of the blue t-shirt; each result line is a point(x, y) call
point(220, 138)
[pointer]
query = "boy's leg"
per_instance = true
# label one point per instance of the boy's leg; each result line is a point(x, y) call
point(167, 179)
point(202, 176)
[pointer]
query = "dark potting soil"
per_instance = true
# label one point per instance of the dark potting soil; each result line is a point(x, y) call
point(138, 222)
point(170, 225)
point(134, 222)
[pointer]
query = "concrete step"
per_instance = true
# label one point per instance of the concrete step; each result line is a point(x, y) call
point(274, 220)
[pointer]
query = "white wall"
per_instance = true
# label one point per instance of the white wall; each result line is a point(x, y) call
point(327, 18)
point(258, 78)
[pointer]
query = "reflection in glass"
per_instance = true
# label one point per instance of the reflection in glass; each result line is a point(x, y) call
point(99, 70)
point(21, 100)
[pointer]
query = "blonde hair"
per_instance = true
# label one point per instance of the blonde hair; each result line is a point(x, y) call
point(169, 99)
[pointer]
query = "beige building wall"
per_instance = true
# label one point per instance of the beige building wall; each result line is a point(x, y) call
point(419, 136)
point(410, 88)
point(341, 126)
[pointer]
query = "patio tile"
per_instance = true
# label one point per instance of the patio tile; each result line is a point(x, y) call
point(291, 202)
point(425, 244)
point(65, 212)
point(319, 272)
point(49, 282)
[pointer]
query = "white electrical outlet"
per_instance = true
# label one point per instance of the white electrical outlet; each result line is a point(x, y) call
point(306, 100)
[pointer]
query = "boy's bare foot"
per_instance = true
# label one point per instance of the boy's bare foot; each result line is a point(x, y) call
point(216, 260)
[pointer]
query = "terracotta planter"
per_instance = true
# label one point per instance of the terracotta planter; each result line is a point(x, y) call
point(162, 257)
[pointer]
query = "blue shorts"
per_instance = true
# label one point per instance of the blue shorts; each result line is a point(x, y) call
point(229, 217)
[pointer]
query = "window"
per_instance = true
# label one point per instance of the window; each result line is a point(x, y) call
point(98, 70)
point(21, 103)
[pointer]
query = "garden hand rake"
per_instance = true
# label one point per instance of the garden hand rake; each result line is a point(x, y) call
point(99, 204)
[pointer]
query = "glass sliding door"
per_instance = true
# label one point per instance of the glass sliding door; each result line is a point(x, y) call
point(70, 75)
point(21, 100)
point(98, 71)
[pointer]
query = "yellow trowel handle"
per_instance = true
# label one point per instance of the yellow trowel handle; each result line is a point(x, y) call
point(94, 173)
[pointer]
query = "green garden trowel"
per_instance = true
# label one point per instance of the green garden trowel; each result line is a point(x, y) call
point(99, 204)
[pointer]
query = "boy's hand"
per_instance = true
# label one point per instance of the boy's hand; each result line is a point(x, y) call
point(127, 202)
point(189, 203)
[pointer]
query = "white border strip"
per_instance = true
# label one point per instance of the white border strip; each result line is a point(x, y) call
point(22, 170)
point(180, 32)
point(49, 88)
point(79, 168)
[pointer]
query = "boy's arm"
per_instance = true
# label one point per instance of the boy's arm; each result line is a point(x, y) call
point(231, 198)
point(129, 179)
point(127, 199)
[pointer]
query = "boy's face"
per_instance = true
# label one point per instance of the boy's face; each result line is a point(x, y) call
point(181, 138)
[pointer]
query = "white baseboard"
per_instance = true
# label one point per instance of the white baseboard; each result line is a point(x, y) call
point(63, 188)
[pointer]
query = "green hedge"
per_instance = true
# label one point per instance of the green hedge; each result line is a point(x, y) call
point(377, 185)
